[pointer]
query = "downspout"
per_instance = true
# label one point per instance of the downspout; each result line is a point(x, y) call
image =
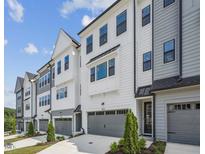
point(51, 82)
point(180, 40)
point(134, 47)
point(154, 116)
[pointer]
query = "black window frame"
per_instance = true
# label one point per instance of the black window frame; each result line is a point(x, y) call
point(122, 26)
point(98, 66)
point(111, 67)
point(59, 67)
point(103, 35)
point(89, 45)
point(170, 51)
point(147, 61)
point(168, 2)
point(147, 18)
point(92, 74)
point(66, 62)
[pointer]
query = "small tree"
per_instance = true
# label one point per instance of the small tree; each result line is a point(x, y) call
point(129, 145)
point(132, 143)
point(50, 133)
point(13, 131)
point(31, 131)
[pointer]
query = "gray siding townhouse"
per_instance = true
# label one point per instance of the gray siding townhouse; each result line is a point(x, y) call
point(19, 104)
point(176, 70)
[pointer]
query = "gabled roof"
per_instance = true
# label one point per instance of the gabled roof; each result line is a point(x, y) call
point(30, 75)
point(19, 84)
point(109, 8)
point(62, 37)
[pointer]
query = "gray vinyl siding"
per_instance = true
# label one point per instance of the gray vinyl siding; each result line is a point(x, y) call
point(191, 37)
point(166, 27)
point(186, 95)
point(19, 103)
point(45, 88)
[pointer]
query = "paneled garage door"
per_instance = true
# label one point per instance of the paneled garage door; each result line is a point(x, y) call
point(108, 123)
point(184, 123)
point(43, 125)
point(63, 126)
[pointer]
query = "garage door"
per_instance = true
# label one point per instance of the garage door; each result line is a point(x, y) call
point(63, 126)
point(184, 123)
point(43, 125)
point(108, 123)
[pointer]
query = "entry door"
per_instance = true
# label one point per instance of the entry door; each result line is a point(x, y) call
point(147, 117)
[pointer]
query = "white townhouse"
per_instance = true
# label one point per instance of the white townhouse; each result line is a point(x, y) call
point(29, 99)
point(65, 108)
point(107, 64)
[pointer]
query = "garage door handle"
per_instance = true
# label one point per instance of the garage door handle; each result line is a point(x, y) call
point(171, 132)
point(104, 126)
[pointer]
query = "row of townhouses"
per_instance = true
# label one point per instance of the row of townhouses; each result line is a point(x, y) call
point(142, 55)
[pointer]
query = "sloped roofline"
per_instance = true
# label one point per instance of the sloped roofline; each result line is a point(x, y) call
point(104, 12)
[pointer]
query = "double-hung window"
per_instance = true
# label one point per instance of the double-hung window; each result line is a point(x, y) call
point(89, 44)
point(53, 73)
point(111, 63)
point(168, 2)
point(147, 61)
point(169, 51)
point(49, 75)
point(102, 71)
point(46, 79)
point(146, 15)
point(103, 35)
point(92, 74)
point(39, 83)
point(66, 62)
point(59, 67)
point(61, 93)
point(121, 21)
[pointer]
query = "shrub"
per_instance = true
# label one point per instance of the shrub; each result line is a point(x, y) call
point(60, 138)
point(114, 147)
point(50, 133)
point(121, 142)
point(13, 131)
point(31, 131)
point(159, 147)
point(132, 144)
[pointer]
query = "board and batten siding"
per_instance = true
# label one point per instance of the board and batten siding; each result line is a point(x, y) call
point(143, 44)
point(190, 37)
point(166, 27)
point(190, 94)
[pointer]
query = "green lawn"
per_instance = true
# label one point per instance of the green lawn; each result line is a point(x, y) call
point(14, 139)
point(29, 150)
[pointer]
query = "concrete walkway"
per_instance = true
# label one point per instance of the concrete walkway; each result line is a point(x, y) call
point(84, 144)
point(12, 136)
point(175, 148)
point(28, 142)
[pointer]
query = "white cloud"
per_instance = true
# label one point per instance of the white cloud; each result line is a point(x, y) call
point(9, 98)
point(16, 10)
point(5, 42)
point(31, 49)
point(86, 20)
point(95, 6)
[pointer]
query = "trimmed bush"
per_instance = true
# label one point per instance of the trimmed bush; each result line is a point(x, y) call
point(114, 147)
point(132, 143)
point(13, 131)
point(31, 131)
point(50, 133)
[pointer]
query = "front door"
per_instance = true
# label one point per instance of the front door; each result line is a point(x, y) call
point(147, 118)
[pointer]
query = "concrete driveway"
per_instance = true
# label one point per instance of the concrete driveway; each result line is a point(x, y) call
point(92, 144)
point(28, 142)
point(84, 144)
point(175, 148)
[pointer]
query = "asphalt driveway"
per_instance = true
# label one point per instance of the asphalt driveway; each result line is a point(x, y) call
point(175, 148)
point(84, 144)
